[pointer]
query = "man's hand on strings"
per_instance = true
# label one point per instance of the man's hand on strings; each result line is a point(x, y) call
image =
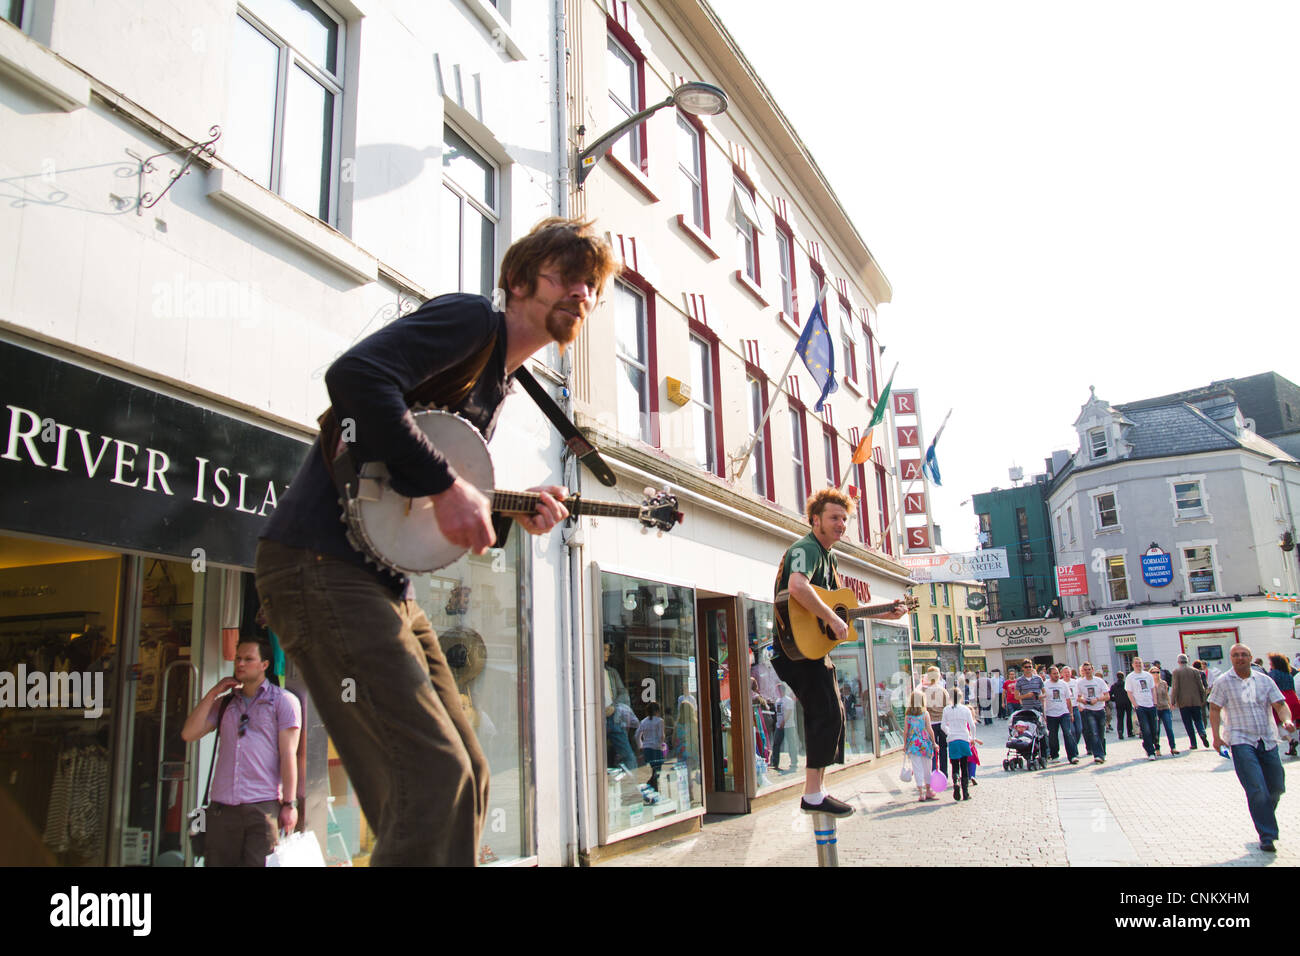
point(550, 510)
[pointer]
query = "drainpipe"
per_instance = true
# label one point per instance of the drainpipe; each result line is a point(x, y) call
point(571, 670)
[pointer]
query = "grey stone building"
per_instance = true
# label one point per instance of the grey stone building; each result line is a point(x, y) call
point(1172, 511)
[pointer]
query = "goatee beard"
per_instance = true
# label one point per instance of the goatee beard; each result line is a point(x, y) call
point(563, 326)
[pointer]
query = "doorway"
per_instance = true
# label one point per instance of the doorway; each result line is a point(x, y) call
point(728, 717)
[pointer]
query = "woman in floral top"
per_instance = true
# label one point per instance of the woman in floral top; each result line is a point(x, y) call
point(919, 745)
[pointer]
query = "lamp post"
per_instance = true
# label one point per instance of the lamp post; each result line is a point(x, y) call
point(696, 98)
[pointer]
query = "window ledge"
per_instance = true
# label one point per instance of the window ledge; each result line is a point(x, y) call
point(632, 175)
point(1115, 530)
point(789, 321)
point(750, 286)
point(700, 238)
point(268, 210)
point(497, 26)
point(852, 386)
point(41, 71)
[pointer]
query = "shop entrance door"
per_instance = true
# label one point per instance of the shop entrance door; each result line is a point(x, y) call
point(727, 715)
point(1211, 647)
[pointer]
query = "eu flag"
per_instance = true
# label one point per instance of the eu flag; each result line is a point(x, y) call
point(814, 347)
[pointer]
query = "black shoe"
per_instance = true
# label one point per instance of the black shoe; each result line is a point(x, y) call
point(965, 794)
point(974, 782)
point(956, 795)
point(829, 806)
point(1205, 742)
point(1074, 760)
point(1267, 846)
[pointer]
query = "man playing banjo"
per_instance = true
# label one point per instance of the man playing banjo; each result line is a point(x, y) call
point(409, 750)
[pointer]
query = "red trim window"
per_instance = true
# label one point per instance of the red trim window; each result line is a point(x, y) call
point(747, 224)
point(761, 458)
point(864, 521)
point(706, 399)
point(785, 269)
point(819, 283)
point(869, 366)
point(692, 172)
point(882, 508)
point(846, 340)
point(637, 398)
point(625, 73)
point(831, 455)
point(799, 447)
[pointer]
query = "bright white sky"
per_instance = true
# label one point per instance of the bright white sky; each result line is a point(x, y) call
point(1061, 196)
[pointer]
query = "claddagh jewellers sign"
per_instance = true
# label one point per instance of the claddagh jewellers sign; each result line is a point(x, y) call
point(97, 459)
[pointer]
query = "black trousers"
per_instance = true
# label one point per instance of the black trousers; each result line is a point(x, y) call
point(814, 684)
point(1123, 718)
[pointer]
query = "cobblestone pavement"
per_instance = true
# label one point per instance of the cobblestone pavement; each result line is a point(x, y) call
point(1183, 810)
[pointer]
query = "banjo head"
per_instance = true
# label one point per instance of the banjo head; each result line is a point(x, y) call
point(402, 532)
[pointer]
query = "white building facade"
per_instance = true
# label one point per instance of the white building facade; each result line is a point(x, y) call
point(1174, 511)
point(163, 345)
point(725, 228)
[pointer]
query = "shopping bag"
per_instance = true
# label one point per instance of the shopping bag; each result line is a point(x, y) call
point(905, 772)
point(938, 781)
point(297, 849)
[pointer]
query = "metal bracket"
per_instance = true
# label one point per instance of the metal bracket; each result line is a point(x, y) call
point(147, 200)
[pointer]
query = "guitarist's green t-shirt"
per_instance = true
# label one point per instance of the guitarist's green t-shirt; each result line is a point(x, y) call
point(807, 557)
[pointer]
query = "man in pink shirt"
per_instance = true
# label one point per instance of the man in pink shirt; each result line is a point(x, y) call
point(256, 775)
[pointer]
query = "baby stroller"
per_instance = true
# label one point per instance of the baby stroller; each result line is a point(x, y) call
point(1026, 741)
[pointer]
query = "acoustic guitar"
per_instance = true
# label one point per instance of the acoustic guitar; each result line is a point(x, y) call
point(805, 636)
point(402, 533)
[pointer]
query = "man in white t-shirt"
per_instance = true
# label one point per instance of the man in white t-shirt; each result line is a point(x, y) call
point(1141, 690)
point(1058, 706)
point(1092, 693)
point(1072, 679)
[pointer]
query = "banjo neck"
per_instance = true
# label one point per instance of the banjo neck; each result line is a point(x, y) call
point(525, 502)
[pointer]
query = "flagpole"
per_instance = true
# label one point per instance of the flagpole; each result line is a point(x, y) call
point(849, 470)
point(748, 450)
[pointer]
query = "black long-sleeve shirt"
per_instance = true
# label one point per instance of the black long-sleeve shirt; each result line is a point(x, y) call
point(367, 385)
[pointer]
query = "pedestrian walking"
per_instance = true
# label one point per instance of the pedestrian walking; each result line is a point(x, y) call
point(1142, 695)
point(1123, 708)
point(935, 700)
point(919, 745)
point(1029, 689)
point(1284, 677)
point(1069, 677)
point(1188, 693)
point(1058, 704)
point(1246, 696)
point(1093, 695)
point(959, 727)
point(1164, 709)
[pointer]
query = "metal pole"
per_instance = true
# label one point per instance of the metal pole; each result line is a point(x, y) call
point(824, 832)
point(739, 471)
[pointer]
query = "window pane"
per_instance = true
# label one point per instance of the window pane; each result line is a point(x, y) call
point(623, 101)
point(759, 457)
point(449, 255)
point(828, 453)
point(1117, 579)
point(783, 267)
point(465, 167)
point(12, 10)
point(688, 162)
point(308, 145)
point(1200, 569)
point(305, 26)
point(633, 394)
point(250, 133)
point(796, 441)
point(702, 400)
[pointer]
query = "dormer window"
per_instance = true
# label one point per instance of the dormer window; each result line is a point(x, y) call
point(1097, 444)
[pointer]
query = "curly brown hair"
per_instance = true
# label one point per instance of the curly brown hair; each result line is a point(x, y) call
point(827, 496)
point(570, 246)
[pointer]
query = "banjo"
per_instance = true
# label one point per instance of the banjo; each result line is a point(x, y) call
point(402, 533)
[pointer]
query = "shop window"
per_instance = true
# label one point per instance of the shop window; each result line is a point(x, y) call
point(286, 97)
point(850, 663)
point(474, 608)
point(469, 217)
point(648, 681)
point(59, 631)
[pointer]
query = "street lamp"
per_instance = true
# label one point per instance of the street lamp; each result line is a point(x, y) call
point(698, 99)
